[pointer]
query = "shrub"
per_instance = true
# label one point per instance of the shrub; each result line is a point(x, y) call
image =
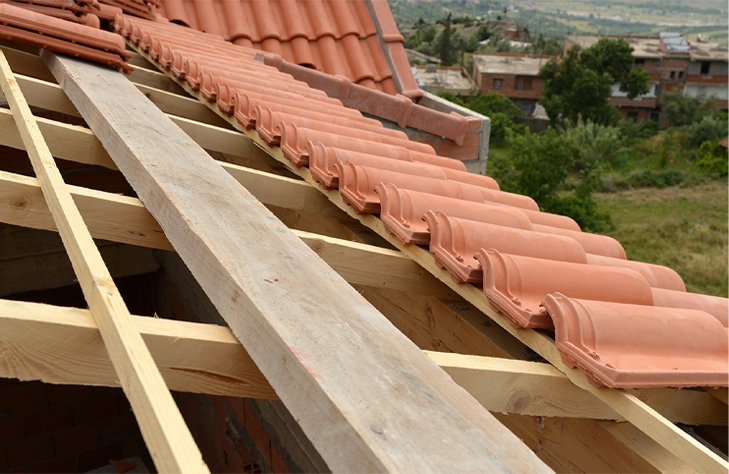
point(595, 144)
point(713, 158)
point(710, 128)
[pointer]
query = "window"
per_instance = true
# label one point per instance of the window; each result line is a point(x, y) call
point(655, 116)
point(633, 116)
point(680, 74)
point(640, 62)
point(673, 74)
point(498, 82)
point(705, 65)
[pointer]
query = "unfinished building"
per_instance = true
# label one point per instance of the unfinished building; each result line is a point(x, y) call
point(266, 217)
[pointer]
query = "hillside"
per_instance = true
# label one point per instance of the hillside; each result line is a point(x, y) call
point(562, 17)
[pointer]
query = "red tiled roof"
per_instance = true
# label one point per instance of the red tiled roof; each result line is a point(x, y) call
point(357, 39)
point(626, 323)
point(26, 26)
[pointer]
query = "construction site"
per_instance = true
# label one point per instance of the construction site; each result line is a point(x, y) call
point(235, 236)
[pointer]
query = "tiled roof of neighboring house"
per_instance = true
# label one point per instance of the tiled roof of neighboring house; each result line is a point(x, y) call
point(643, 46)
point(517, 64)
point(625, 323)
point(357, 39)
point(30, 27)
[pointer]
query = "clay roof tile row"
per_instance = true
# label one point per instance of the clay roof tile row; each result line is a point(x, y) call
point(626, 323)
point(336, 37)
point(21, 24)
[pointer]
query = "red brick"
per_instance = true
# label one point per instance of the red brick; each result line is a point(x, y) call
point(63, 394)
point(77, 439)
point(95, 409)
point(64, 464)
point(120, 427)
point(98, 457)
point(219, 408)
point(31, 396)
point(277, 463)
point(30, 450)
point(257, 433)
point(12, 429)
point(47, 421)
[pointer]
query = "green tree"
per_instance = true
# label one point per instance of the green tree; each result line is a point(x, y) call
point(581, 84)
point(539, 166)
point(681, 110)
point(444, 47)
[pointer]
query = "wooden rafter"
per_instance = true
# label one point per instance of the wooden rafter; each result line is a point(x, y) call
point(624, 403)
point(306, 358)
point(171, 444)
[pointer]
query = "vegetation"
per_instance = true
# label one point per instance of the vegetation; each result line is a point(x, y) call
point(662, 194)
point(684, 228)
point(581, 84)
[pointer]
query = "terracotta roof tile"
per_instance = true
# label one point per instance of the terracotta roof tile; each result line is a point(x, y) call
point(517, 285)
point(323, 159)
point(336, 37)
point(625, 345)
point(617, 315)
point(295, 140)
point(29, 27)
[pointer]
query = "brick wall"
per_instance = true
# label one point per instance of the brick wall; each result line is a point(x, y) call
point(65, 428)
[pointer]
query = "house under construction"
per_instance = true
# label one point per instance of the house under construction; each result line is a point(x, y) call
point(237, 237)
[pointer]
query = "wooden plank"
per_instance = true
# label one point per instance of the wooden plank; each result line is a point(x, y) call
point(108, 216)
point(27, 63)
point(626, 404)
point(154, 79)
point(74, 143)
point(126, 220)
point(301, 323)
point(181, 106)
point(160, 421)
point(63, 345)
point(525, 388)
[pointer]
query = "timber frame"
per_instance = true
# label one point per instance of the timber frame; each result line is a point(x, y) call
point(451, 322)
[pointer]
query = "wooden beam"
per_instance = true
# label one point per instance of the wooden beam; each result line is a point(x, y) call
point(153, 78)
point(126, 220)
point(526, 388)
point(171, 444)
point(108, 216)
point(74, 143)
point(301, 323)
point(63, 345)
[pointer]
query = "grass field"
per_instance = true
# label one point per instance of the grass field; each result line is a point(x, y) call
point(683, 228)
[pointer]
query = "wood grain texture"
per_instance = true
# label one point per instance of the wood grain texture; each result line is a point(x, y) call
point(170, 442)
point(301, 323)
point(63, 345)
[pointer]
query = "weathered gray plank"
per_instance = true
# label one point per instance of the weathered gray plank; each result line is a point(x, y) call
point(367, 397)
